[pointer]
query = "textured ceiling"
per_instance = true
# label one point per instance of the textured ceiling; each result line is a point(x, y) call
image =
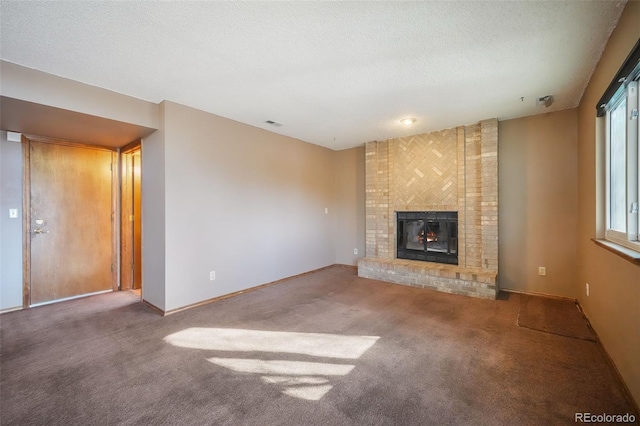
point(335, 74)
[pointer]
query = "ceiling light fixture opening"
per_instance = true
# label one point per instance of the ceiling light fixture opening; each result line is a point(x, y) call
point(408, 121)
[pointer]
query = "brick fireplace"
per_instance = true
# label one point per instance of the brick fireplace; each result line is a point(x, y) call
point(453, 170)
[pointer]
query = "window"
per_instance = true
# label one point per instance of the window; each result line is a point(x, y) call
point(622, 160)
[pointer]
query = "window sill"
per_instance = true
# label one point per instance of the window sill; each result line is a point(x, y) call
point(624, 252)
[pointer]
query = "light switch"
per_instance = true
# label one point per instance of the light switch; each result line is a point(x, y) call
point(13, 213)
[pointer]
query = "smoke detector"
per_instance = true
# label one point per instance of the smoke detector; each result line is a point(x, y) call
point(547, 101)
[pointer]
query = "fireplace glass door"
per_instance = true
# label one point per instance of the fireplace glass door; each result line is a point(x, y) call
point(428, 236)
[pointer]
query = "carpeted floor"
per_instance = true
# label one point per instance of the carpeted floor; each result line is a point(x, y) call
point(327, 348)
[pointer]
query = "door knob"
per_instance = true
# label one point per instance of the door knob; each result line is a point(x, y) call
point(40, 231)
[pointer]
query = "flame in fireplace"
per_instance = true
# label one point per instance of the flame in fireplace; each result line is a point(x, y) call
point(432, 237)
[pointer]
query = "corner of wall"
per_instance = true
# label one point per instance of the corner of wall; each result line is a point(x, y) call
point(153, 216)
point(349, 205)
point(10, 228)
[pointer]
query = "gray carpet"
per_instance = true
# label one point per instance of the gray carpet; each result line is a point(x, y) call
point(328, 348)
point(556, 316)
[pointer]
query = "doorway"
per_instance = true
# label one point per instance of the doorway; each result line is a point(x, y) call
point(69, 203)
point(131, 218)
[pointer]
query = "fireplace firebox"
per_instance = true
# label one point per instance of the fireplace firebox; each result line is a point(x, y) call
point(428, 236)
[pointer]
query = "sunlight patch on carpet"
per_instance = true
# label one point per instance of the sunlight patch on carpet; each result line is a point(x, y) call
point(291, 381)
point(259, 366)
point(304, 387)
point(311, 393)
point(305, 380)
point(300, 379)
point(313, 344)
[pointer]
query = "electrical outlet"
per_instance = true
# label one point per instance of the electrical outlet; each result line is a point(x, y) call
point(13, 213)
point(542, 271)
point(326, 210)
point(212, 275)
point(587, 288)
point(355, 251)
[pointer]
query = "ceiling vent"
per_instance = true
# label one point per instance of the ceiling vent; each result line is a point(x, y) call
point(273, 123)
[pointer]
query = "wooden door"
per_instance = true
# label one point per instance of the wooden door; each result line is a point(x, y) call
point(126, 221)
point(131, 219)
point(69, 221)
point(137, 221)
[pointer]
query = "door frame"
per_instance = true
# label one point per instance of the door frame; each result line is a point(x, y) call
point(26, 209)
point(125, 225)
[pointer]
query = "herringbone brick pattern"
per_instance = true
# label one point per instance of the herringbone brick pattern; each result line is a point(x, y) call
point(425, 169)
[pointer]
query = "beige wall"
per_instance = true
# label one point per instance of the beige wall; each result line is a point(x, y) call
point(245, 202)
point(153, 216)
point(30, 85)
point(538, 192)
point(10, 229)
point(217, 194)
point(613, 306)
point(350, 223)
